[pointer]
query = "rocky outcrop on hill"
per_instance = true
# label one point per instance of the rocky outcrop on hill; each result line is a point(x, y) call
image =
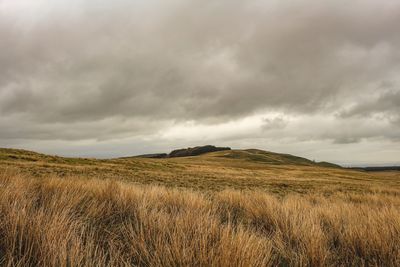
point(195, 151)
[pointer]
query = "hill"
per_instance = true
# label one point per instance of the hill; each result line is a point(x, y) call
point(257, 155)
point(238, 169)
point(224, 208)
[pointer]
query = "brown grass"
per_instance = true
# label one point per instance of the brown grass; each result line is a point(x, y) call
point(209, 172)
point(74, 222)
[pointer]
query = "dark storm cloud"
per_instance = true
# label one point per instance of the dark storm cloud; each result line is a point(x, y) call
point(72, 69)
point(385, 105)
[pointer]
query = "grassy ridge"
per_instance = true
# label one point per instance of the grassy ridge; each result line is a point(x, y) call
point(228, 208)
point(90, 222)
point(245, 169)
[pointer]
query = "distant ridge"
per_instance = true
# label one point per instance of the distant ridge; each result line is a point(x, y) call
point(153, 156)
point(377, 168)
point(207, 153)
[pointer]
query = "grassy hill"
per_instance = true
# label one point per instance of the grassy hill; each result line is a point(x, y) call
point(236, 169)
point(256, 155)
point(226, 208)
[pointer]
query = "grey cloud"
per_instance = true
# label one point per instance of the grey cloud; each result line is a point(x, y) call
point(277, 123)
point(386, 105)
point(347, 140)
point(100, 130)
point(354, 130)
point(143, 65)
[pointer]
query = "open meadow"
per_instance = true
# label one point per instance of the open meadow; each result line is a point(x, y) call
point(235, 209)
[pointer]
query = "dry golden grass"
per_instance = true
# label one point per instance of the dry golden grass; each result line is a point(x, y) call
point(53, 221)
point(209, 172)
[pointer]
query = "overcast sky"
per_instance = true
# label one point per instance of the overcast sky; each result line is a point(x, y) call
point(98, 78)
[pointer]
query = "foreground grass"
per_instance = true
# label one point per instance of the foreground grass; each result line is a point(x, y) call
point(75, 222)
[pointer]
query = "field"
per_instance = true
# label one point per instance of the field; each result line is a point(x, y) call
point(236, 208)
point(237, 169)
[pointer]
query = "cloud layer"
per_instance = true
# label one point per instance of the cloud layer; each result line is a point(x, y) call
point(115, 70)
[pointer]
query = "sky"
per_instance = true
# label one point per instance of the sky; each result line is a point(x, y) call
point(97, 78)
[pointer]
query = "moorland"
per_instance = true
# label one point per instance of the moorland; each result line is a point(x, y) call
point(224, 208)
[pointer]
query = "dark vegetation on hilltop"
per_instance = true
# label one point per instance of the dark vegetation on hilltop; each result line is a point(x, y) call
point(196, 151)
point(186, 152)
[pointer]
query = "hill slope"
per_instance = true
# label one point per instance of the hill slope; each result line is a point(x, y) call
point(255, 155)
point(261, 156)
point(238, 169)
